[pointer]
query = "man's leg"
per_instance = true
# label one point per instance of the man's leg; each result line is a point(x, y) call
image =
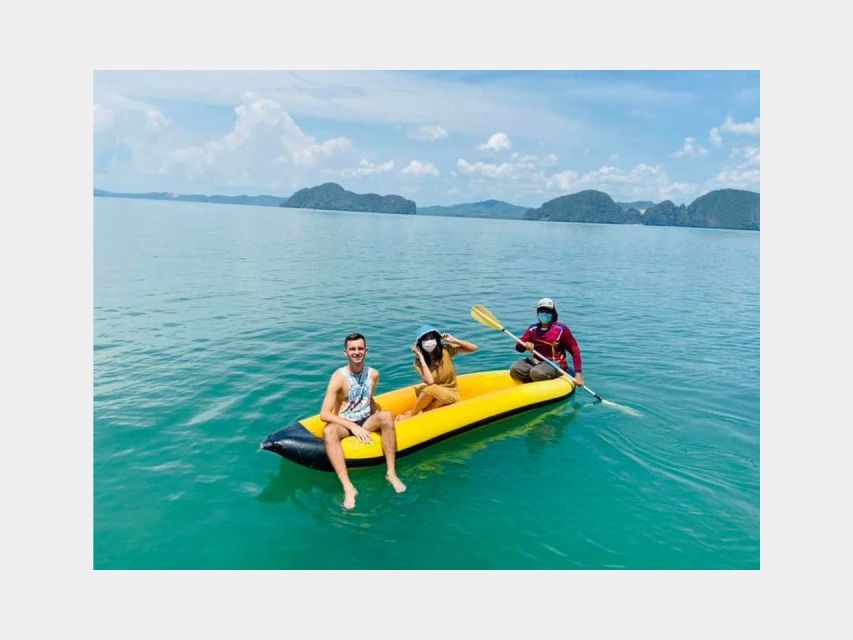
point(543, 371)
point(520, 370)
point(381, 421)
point(332, 435)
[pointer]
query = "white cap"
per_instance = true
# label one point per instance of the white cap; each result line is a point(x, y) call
point(546, 303)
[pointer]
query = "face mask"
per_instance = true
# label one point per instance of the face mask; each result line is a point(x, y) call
point(429, 345)
point(544, 317)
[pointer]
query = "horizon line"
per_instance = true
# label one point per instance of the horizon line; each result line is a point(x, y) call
point(285, 198)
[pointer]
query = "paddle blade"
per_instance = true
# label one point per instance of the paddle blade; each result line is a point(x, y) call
point(486, 317)
point(622, 408)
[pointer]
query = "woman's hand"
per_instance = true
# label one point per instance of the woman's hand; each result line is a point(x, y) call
point(466, 346)
point(419, 353)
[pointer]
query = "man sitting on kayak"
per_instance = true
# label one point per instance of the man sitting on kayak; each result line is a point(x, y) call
point(552, 339)
point(349, 408)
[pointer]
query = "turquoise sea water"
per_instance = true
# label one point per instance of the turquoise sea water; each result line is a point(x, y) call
point(217, 324)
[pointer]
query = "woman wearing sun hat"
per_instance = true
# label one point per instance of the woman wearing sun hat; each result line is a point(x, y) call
point(434, 353)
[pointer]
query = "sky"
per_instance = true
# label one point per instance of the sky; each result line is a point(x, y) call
point(435, 137)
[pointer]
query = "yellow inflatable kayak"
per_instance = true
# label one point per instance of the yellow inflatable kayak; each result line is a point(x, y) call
point(487, 396)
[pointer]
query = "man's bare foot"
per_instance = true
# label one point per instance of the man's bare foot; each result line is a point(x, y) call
point(349, 497)
point(403, 416)
point(398, 485)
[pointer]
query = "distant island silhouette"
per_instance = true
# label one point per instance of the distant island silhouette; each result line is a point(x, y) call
point(333, 197)
point(719, 209)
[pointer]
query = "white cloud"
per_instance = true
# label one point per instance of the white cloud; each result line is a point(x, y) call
point(742, 172)
point(497, 142)
point(519, 167)
point(677, 191)
point(565, 180)
point(742, 128)
point(131, 137)
point(390, 97)
point(104, 118)
point(264, 131)
point(751, 128)
point(366, 168)
point(156, 121)
point(487, 169)
point(691, 149)
point(126, 116)
point(749, 156)
point(643, 182)
point(428, 133)
point(418, 168)
point(308, 154)
point(715, 137)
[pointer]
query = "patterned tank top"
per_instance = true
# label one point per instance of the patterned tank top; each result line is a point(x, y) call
point(357, 405)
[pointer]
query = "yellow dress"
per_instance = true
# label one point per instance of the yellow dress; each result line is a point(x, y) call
point(444, 373)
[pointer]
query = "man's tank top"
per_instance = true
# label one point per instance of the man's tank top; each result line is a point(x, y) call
point(357, 405)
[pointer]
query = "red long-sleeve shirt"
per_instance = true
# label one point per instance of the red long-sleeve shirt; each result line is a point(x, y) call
point(553, 343)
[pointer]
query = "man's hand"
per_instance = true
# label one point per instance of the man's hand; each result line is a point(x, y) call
point(361, 433)
point(579, 378)
point(530, 346)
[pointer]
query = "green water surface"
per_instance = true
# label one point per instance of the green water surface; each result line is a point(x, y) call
point(217, 324)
